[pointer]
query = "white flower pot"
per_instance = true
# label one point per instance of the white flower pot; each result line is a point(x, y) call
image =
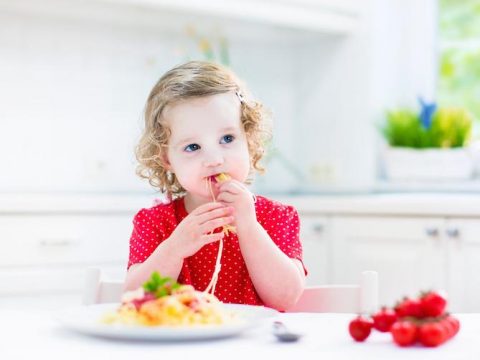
point(408, 164)
point(475, 150)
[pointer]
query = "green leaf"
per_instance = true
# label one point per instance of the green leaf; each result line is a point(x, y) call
point(451, 127)
point(160, 286)
point(175, 286)
point(161, 292)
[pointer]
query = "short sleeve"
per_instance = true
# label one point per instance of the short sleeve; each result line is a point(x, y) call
point(283, 226)
point(146, 236)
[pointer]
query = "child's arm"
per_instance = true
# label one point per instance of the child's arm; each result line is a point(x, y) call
point(278, 279)
point(163, 259)
point(187, 238)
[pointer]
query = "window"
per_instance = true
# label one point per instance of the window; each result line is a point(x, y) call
point(459, 41)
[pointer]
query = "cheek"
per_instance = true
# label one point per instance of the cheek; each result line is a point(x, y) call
point(242, 161)
point(187, 179)
point(184, 168)
point(178, 165)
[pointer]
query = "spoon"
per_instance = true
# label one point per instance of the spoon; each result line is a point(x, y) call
point(283, 334)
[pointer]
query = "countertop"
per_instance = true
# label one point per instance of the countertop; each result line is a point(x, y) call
point(34, 334)
point(408, 204)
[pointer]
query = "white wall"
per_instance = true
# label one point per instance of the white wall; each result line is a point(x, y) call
point(72, 93)
point(74, 82)
point(73, 90)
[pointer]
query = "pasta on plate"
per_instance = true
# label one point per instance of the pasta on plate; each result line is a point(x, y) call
point(163, 302)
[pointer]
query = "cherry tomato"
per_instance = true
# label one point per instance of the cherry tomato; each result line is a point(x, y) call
point(449, 327)
point(433, 304)
point(409, 307)
point(384, 319)
point(454, 323)
point(432, 334)
point(404, 332)
point(360, 328)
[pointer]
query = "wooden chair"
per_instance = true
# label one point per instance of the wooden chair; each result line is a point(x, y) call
point(361, 298)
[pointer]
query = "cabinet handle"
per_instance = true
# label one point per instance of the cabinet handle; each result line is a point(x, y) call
point(453, 232)
point(318, 228)
point(432, 232)
point(56, 242)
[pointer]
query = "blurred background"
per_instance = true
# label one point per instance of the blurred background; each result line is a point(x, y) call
point(349, 83)
point(75, 76)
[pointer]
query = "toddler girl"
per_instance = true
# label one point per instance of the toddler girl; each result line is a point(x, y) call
point(203, 140)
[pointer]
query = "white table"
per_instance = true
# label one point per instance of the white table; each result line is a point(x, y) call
point(35, 334)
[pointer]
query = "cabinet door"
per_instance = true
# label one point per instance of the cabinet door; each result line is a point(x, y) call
point(49, 253)
point(32, 240)
point(314, 235)
point(408, 253)
point(463, 246)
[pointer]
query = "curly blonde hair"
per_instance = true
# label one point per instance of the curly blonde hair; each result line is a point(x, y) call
point(192, 80)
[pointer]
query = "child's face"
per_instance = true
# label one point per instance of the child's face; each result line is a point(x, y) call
point(207, 138)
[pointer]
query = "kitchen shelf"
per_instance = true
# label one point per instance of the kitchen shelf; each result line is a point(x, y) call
point(467, 186)
point(316, 16)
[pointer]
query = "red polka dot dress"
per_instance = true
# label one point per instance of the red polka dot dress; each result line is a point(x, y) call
point(153, 225)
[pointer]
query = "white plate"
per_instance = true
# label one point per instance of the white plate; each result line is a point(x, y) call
point(87, 320)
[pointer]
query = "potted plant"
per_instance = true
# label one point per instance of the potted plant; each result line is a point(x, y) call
point(430, 145)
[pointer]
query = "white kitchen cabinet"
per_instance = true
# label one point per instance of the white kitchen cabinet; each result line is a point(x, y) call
point(41, 252)
point(462, 238)
point(315, 235)
point(411, 254)
point(48, 241)
point(407, 252)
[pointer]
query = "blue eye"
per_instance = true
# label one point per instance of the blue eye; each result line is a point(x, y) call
point(192, 147)
point(226, 139)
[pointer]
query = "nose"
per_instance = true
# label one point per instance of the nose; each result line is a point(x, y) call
point(213, 159)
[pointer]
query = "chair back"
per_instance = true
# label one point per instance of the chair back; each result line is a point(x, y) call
point(361, 298)
point(99, 290)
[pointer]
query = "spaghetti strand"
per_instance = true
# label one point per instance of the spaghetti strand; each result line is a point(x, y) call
point(213, 282)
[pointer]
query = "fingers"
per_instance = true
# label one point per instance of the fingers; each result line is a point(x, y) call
point(231, 187)
point(206, 207)
point(216, 213)
point(215, 223)
point(226, 197)
point(209, 238)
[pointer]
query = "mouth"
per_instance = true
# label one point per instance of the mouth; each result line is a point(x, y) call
point(212, 178)
point(216, 178)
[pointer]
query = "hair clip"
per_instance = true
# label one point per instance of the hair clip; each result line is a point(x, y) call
point(240, 96)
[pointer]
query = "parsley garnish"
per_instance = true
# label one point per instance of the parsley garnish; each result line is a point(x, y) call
point(160, 286)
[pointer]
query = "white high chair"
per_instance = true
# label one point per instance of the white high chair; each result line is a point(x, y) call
point(99, 289)
point(361, 298)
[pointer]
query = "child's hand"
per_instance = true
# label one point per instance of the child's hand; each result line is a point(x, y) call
point(234, 193)
point(193, 232)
